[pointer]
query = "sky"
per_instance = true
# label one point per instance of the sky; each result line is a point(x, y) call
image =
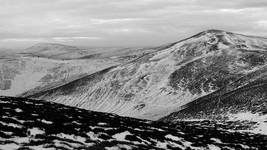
point(124, 23)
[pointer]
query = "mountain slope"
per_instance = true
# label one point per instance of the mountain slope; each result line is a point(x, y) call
point(245, 104)
point(31, 124)
point(20, 74)
point(47, 65)
point(162, 81)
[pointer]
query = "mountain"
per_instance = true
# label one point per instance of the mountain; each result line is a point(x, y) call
point(47, 65)
point(54, 50)
point(165, 80)
point(19, 74)
point(31, 124)
point(67, 52)
point(4, 52)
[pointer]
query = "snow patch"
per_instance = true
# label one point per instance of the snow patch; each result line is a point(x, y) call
point(213, 147)
point(162, 145)
point(120, 146)
point(46, 122)
point(260, 127)
point(102, 123)
point(18, 110)
point(72, 137)
point(11, 125)
point(9, 146)
point(35, 131)
point(93, 136)
point(175, 138)
point(121, 136)
point(216, 140)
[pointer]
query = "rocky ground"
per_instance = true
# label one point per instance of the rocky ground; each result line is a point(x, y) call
point(36, 124)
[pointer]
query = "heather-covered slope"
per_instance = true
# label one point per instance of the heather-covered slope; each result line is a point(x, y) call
point(233, 102)
point(31, 124)
point(161, 82)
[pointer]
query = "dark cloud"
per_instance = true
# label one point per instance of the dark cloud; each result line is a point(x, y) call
point(124, 22)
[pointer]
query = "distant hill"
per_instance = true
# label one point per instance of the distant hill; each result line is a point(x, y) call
point(54, 50)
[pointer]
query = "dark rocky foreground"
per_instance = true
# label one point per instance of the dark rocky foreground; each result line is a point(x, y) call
point(32, 124)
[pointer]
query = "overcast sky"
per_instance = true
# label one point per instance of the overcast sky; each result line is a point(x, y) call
point(124, 22)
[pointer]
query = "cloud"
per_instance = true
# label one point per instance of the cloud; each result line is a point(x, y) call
point(112, 21)
point(125, 22)
point(126, 30)
point(64, 39)
point(262, 23)
point(22, 40)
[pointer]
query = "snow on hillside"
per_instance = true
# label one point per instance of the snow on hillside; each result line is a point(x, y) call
point(47, 65)
point(33, 72)
point(261, 121)
point(163, 81)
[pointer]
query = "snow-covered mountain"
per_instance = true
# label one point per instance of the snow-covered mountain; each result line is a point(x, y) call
point(19, 74)
point(47, 65)
point(31, 124)
point(170, 77)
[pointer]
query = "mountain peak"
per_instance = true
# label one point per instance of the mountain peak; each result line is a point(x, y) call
point(214, 31)
point(226, 39)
